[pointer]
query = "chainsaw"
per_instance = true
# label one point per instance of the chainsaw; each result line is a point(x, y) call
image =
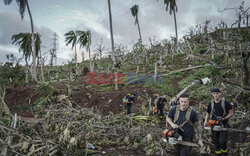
point(216, 126)
point(172, 137)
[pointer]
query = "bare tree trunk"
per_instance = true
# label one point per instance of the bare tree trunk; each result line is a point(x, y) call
point(26, 73)
point(147, 60)
point(82, 56)
point(41, 64)
point(112, 44)
point(155, 71)
point(139, 30)
point(33, 71)
point(245, 57)
point(176, 33)
point(76, 61)
point(239, 21)
point(160, 61)
point(247, 20)
point(185, 89)
point(90, 60)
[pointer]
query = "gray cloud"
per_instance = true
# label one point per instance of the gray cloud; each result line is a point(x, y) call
point(228, 15)
point(12, 24)
point(153, 18)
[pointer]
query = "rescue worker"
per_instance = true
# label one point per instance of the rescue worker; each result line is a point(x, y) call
point(160, 103)
point(130, 99)
point(186, 120)
point(219, 110)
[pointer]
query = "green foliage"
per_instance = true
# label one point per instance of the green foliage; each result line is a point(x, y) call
point(33, 107)
point(165, 86)
point(245, 35)
point(47, 87)
point(209, 71)
point(105, 88)
point(176, 75)
point(200, 47)
point(178, 56)
point(201, 92)
point(5, 121)
point(15, 74)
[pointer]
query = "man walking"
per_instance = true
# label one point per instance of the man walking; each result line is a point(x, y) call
point(130, 99)
point(219, 110)
point(186, 120)
point(160, 103)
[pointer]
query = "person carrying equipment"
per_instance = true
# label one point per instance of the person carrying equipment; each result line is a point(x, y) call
point(129, 99)
point(186, 120)
point(159, 104)
point(219, 111)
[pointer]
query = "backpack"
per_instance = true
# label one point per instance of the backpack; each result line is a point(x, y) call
point(222, 105)
point(125, 98)
point(188, 115)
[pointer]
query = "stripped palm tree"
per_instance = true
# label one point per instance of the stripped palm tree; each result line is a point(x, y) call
point(112, 45)
point(71, 38)
point(134, 11)
point(172, 7)
point(22, 7)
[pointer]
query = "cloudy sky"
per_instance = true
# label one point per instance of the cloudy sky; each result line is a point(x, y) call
point(61, 16)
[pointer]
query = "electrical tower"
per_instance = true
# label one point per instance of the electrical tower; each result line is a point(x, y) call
point(54, 50)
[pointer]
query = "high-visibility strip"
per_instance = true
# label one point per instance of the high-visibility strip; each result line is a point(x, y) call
point(224, 151)
point(218, 152)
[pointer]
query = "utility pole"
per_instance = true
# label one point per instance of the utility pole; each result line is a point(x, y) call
point(112, 44)
point(54, 50)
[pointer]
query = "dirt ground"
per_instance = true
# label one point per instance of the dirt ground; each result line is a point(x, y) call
point(21, 97)
point(18, 98)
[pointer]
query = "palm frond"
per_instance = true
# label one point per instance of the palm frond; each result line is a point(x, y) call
point(7, 2)
point(24, 42)
point(170, 6)
point(134, 11)
point(37, 43)
point(83, 38)
point(22, 7)
point(70, 38)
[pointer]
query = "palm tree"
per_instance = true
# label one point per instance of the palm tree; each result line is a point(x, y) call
point(85, 40)
point(134, 11)
point(112, 44)
point(22, 7)
point(24, 41)
point(172, 7)
point(71, 38)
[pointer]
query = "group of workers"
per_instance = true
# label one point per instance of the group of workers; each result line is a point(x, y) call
point(186, 120)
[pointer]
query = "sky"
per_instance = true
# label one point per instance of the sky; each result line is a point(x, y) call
point(61, 16)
